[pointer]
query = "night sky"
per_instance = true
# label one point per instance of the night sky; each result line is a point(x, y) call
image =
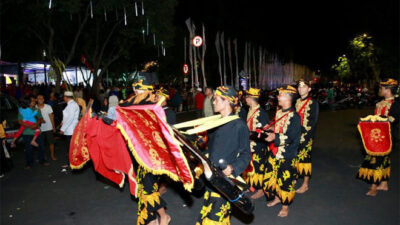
point(311, 33)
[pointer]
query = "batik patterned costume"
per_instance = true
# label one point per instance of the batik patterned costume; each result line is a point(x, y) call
point(258, 147)
point(149, 196)
point(231, 143)
point(376, 169)
point(281, 172)
point(308, 110)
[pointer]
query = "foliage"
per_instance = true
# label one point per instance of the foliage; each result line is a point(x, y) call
point(343, 67)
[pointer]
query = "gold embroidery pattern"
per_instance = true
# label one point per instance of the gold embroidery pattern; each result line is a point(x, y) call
point(376, 135)
point(158, 139)
point(306, 114)
point(384, 104)
point(284, 123)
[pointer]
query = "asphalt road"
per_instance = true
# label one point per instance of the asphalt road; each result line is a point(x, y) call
point(48, 196)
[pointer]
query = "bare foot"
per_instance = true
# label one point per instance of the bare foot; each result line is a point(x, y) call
point(54, 158)
point(284, 211)
point(34, 143)
point(165, 219)
point(274, 202)
point(154, 222)
point(302, 189)
point(163, 189)
point(383, 186)
point(259, 193)
point(372, 192)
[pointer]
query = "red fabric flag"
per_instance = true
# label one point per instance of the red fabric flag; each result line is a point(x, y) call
point(109, 154)
point(152, 143)
point(376, 137)
point(78, 150)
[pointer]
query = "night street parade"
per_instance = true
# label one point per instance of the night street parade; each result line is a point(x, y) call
point(184, 112)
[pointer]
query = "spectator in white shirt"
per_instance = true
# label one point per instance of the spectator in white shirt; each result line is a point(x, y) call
point(48, 127)
point(70, 117)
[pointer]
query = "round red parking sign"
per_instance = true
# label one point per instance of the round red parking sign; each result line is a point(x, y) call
point(197, 41)
point(185, 68)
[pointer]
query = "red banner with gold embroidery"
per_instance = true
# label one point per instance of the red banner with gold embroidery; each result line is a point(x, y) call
point(78, 149)
point(376, 137)
point(152, 143)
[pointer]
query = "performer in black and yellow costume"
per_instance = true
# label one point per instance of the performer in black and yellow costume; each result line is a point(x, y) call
point(150, 203)
point(280, 178)
point(376, 169)
point(308, 110)
point(257, 117)
point(229, 142)
point(169, 113)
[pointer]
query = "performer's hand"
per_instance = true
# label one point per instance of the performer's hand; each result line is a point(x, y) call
point(61, 132)
point(271, 137)
point(228, 170)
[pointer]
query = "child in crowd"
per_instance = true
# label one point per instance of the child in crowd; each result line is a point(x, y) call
point(28, 117)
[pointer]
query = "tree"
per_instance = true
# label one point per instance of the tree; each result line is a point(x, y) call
point(342, 67)
point(363, 61)
point(105, 31)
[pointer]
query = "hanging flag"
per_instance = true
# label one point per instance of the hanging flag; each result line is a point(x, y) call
point(91, 9)
point(237, 64)
point(188, 23)
point(217, 40)
point(144, 41)
point(50, 4)
point(230, 60)
point(142, 9)
point(154, 39)
point(223, 55)
point(204, 47)
point(105, 15)
point(136, 11)
point(125, 21)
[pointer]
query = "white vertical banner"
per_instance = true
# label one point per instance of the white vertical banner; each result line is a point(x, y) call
point(189, 26)
point(203, 55)
point(217, 46)
point(237, 64)
point(223, 55)
point(230, 60)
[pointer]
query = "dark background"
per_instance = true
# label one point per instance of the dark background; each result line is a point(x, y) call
point(311, 33)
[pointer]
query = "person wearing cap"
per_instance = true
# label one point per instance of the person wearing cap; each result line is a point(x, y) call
point(70, 117)
point(284, 142)
point(143, 94)
point(256, 117)
point(230, 143)
point(376, 169)
point(169, 113)
point(308, 109)
point(150, 202)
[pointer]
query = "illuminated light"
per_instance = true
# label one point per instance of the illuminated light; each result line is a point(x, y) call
point(148, 65)
point(197, 41)
point(185, 68)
